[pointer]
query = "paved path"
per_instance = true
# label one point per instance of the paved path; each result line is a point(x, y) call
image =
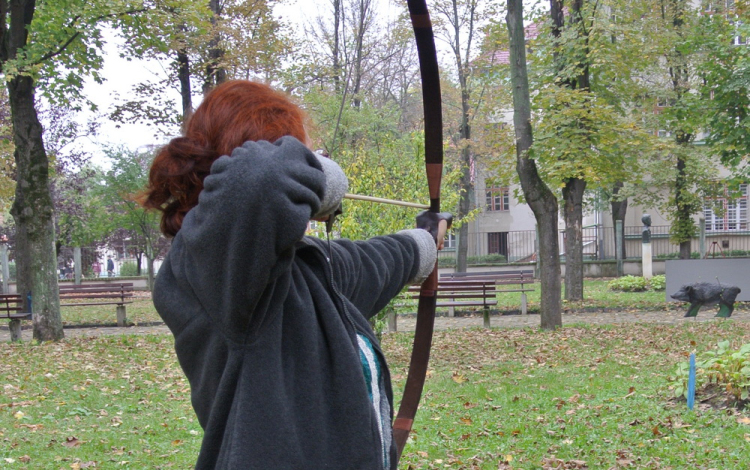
point(443, 323)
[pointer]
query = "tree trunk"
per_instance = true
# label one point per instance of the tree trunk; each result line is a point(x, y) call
point(683, 215)
point(183, 76)
point(574, 187)
point(539, 197)
point(215, 73)
point(619, 210)
point(467, 189)
point(573, 200)
point(336, 45)
point(33, 214)
point(466, 186)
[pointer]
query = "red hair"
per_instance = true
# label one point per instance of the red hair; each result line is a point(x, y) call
point(230, 115)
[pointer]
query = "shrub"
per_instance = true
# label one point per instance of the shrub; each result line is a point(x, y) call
point(727, 368)
point(628, 284)
point(128, 269)
point(446, 262)
point(658, 282)
point(449, 262)
point(487, 259)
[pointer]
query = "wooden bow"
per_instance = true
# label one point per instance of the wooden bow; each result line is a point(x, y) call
point(433, 122)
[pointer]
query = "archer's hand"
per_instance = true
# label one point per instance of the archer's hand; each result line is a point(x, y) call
point(435, 223)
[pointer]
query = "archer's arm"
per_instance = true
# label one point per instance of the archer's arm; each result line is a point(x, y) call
point(240, 237)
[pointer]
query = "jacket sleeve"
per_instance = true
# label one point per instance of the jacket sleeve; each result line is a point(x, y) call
point(254, 207)
point(370, 273)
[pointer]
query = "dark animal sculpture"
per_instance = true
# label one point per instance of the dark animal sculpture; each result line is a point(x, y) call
point(705, 293)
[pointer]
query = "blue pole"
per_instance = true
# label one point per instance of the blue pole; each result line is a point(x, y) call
point(691, 383)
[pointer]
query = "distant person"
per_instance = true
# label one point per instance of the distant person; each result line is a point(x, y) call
point(97, 268)
point(271, 326)
point(110, 267)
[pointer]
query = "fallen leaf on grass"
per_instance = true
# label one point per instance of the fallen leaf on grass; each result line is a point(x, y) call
point(559, 464)
point(743, 420)
point(71, 442)
point(458, 378)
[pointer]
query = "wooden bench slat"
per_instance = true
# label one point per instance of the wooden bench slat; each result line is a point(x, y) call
point(84, 304)
point(19, 316)
point(94, 291)
point(95, 296)
point(466, 304)
point(109, 285)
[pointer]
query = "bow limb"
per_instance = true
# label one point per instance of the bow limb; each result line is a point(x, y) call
point(433, 122)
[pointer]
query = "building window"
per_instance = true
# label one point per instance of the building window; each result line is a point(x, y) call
point(728, 212)
point(497, 199)
point(450, 241)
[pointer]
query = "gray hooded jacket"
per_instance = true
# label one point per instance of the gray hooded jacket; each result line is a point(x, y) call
point(265, 319)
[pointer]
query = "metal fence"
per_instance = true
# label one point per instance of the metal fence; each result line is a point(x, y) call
point(599, 244)
point(94, 262)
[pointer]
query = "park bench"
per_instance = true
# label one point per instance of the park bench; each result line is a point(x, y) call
point(507, 279)
point(456, 294)
point(11, 307)
point(106, 293)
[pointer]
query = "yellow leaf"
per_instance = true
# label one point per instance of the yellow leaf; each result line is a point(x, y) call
point(743, 420)
point(509, 458)
point(458, 378)
point(19, 414)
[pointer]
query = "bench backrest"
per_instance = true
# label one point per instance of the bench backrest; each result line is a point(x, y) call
point(499, 277)
point(464, 289)
point(96, 291)
point(11, 303)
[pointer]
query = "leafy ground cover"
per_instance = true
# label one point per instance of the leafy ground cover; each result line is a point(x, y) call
point(580, 397)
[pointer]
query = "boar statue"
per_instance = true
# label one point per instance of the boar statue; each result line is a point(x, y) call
point(706, 293)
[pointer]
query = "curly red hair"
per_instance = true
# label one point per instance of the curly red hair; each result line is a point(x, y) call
point(230, 115)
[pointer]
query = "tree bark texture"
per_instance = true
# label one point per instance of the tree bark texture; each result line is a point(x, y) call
point(539, 197)
point(33, 214)
point(573, 208)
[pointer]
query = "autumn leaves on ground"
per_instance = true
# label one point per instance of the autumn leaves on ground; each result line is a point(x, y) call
point(580, 397)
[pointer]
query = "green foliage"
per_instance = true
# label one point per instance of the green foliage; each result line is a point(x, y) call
point(128, 269)
point(658, 282)
point(725, 88)
point(393, 170)
point(628, 284)
point(446, 262)
point(119, 191)
point(638, 283)
point(724, 367)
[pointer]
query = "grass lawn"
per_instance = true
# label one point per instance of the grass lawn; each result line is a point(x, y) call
point(139, 312)
point(597, 297)
point(579, 397)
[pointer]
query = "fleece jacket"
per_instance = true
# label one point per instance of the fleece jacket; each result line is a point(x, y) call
point(266, 319)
